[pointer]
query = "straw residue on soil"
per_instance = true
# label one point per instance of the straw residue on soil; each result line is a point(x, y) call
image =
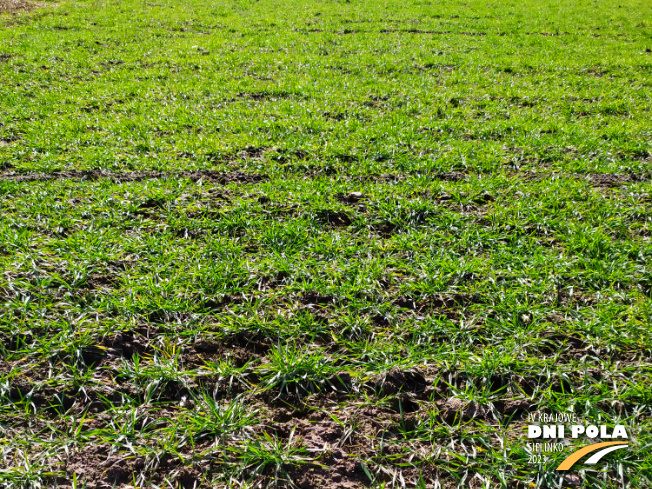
point(10, 6)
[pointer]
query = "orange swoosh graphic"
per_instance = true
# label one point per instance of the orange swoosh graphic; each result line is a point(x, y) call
point(574, 457)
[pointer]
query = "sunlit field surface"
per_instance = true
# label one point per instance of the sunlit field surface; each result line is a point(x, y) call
point(322, 244)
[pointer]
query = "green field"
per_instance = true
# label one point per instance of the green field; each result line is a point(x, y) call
point(336, 244)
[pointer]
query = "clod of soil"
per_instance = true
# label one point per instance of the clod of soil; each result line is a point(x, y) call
point(335, 218)
point(455, 410)
point(341, 382)
point(275, 280)
point(405, 303)
point(483, 199)
point(516, 407)
point(403, 403)
point(126, 344)
point(352, 198)
point(152, 204)
point(529, 385)
point(397, 380)
point(385, 229)
point(92, 356)
point(238, 350)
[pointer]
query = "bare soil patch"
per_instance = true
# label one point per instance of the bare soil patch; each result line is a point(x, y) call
point(99, 467)
point(335, 218)
point(397, 380)
point(422, 31)
point(614, 180)
point(127, 343)
point(137, 176)
point(11, 6)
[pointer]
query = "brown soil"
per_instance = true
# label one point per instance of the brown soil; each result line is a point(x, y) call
point(240, 349)
point(438, 302)
point(385, 229)
point(335, 218)
point(314, 298)
point(99, 467)
point(137, 176)
point(614, 180)
point(269, 282)
point(338, 450)
point(421, 31)
point(98, 281)
point(515, 407)
point(350, 198)
point(455, 410)
point(126, 344)
point(396, 380)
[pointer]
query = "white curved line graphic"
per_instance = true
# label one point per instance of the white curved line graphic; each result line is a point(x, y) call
point(595, 458)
